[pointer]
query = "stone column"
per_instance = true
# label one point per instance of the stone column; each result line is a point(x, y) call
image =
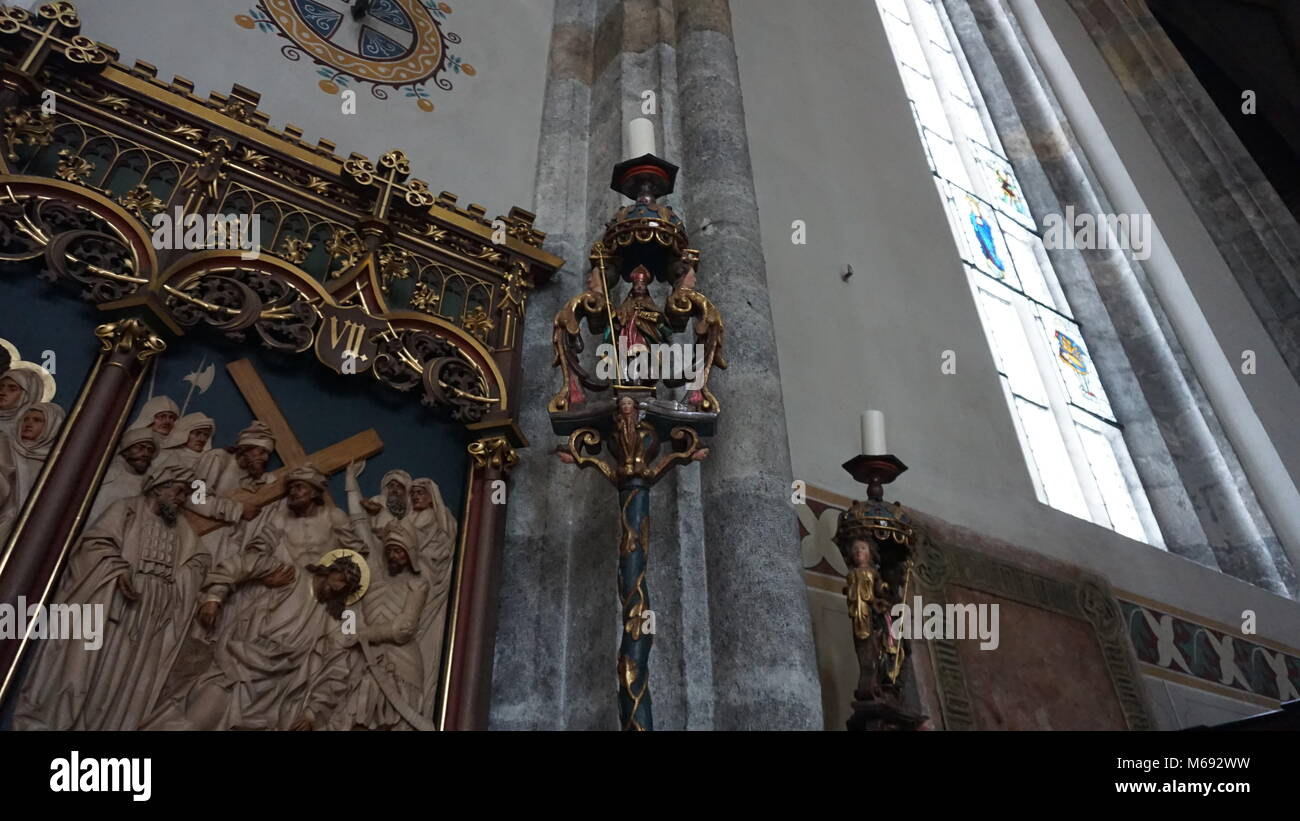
point(54, 513)
point(558, 612)
point(764, 665)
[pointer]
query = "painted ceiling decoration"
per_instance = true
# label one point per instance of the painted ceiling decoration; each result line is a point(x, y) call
point(399, 44)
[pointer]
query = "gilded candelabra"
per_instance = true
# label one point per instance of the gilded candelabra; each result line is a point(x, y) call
point(878, 543)
point(612, 413)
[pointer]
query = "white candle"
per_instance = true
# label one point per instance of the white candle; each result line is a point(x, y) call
point(639, 135)
point(873, 433)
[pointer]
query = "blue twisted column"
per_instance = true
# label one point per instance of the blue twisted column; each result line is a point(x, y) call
point(634, 648)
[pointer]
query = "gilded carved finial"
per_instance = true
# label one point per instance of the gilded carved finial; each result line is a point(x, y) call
point(130, 336)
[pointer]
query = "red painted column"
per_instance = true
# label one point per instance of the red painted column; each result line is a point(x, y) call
point(473, 625)
point(55, 511)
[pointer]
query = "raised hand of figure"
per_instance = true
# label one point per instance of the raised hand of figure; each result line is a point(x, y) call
point(124, 586)
point(280, 576)
point(354, 469)
point(208, 612)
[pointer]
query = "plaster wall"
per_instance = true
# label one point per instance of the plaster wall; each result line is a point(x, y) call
point(835, 146)
point(479, 142)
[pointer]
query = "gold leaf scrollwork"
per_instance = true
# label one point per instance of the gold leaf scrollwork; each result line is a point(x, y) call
point(141, 202)
point(27, 126)
point(346, 246)
point(130, 336)
point(394, 263)
point(479, 323)
point(514, 294)
point(295, 250)
point(424, 298)
point(418, 194)
point(316, 185)
point(251, 157)
point(84, 50)
point(396, 160)
point(360, 169)
point(236, 111)
point(493, 452)
point(72, 168)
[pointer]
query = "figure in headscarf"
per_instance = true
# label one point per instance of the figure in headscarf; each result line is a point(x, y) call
point(158, 415)
point(242, 466)
point(125, 476)
point(20, 388)
point(189, 440)
point(435, 528)
point(430, 517)
point(388, 681)
point(30, 447)
point(378, 512)
point(225, 471)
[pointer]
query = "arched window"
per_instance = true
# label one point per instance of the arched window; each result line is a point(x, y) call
point(1071, 440)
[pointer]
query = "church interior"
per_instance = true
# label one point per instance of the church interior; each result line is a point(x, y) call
point(845, 365)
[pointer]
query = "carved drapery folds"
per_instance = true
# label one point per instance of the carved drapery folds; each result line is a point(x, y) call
point(137, 192)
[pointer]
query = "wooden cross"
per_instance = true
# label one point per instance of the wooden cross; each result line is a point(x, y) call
point(62, 17)
point(414, 193)
point(328, 461)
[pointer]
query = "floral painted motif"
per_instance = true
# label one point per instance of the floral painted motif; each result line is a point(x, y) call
point(398, 44)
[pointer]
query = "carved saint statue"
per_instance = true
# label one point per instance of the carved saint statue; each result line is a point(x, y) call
point(224, 471)
point(876, 541)
point(639, 323)
point(142, 564)
point(432, 541)
point(868, 605)
point(241, 466)
point(377, 512)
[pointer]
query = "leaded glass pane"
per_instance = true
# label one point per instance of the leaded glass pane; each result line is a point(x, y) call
point(979, 237)
point(1053, 461)
point(1029, 258)
point(1000, 183)
point(1010, 346)
point(1074, 364)
point(1099, 441)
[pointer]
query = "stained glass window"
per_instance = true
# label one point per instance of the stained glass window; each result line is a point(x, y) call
point(1071, 441)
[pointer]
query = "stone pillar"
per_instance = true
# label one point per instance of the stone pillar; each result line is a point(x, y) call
point(558, 611)
point(54, 513)
point(764, 665)
point(533, 668)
